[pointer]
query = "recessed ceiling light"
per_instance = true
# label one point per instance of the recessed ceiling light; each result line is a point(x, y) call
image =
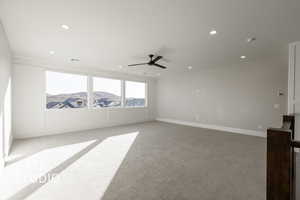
point(213, 32)
point(120, 66)
point(243, 57)
point(52, 52)
point(190, 67)
point(66, 27)
point(75, 59)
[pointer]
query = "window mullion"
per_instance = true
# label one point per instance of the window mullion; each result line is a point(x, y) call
point(90, 92)
point(146, 94)
point(123, 93)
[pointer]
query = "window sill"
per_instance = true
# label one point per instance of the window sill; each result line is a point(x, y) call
point(64, 109)
point(95, 108)
point(116, 108)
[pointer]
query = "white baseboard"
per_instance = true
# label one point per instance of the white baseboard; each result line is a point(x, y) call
point(214, 127)
point(66, 131)
point(7, 152)
point(2, 165)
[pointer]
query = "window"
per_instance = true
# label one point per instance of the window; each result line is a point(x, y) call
point(106, 92)
point(135, 94)
point(65, 90)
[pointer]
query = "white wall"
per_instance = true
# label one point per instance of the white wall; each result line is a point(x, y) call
point(297, 91)
point(294, 85)
point(5, 92)
point(32, 119)
point(238, 96)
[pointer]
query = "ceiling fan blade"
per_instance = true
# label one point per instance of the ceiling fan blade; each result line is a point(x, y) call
point(158, 65)
point(138, 64)
point(157, 58)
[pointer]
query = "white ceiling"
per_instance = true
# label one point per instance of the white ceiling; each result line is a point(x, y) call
point(105, 34)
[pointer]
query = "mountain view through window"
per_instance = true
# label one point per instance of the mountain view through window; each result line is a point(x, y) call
point(65, 90)
point(106, 92)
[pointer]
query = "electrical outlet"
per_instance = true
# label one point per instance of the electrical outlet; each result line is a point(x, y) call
point(197, 117)
point(276, 106)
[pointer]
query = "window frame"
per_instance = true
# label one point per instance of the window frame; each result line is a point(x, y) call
point(63, 109)
point(90, 90)
point(146, 94)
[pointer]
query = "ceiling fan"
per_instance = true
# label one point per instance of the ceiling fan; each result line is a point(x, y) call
point(152, 61)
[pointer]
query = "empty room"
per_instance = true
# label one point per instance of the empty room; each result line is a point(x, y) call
point(149, 100)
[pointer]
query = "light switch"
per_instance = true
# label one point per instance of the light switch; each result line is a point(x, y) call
point(276, 106)
point(280, 93)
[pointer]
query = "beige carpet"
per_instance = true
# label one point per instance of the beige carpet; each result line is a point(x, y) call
point(149, 161)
